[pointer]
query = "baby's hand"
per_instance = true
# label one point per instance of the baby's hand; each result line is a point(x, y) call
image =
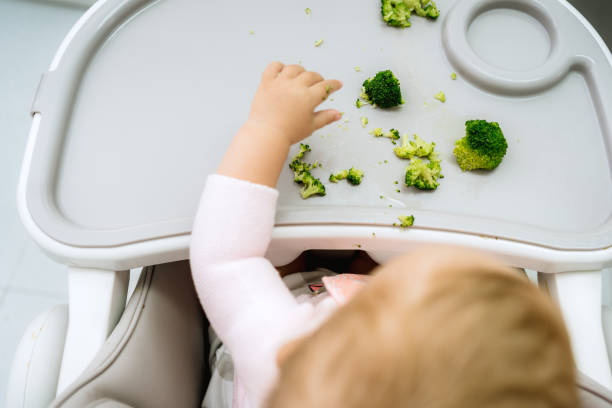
point(285, 101)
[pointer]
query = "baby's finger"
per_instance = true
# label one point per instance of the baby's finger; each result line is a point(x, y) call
point(321, 90)
point(325, 117)
point(272, 70)
point(291, 71)
point(309, 78)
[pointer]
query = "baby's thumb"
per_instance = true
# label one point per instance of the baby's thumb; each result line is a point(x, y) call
point(325, 117)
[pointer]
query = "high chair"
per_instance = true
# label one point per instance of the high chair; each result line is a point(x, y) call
point(141, 101)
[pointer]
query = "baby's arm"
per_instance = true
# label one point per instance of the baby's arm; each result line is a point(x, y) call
point(243, 296)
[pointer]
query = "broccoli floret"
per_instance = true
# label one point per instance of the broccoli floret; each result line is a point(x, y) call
point(411, 148)
point(482, 147)
point(354, 176)
point(422, 175)
point(396, 13)
point(334, 178)
point(311, 186)
point(406, 221)
point(382, 90)
point(440, 96)
point(301, 174)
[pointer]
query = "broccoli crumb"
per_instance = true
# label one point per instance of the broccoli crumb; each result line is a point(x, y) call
point(318, 43)
point(405, 221)
point(453, 76)
point(440, 96)
point(352, 175)
point(328, 89)
point(374, 234)
point(378, 132)
point(358, 245)
point(381, 197)
point(397, 191)
point(364, 121)
point(346, 120)
point(390, 206)
point(386, 161)
point(251, 32)
point(358, 103)
point(308, 11)
point(334, 178)
point(357, 69)
point(396, 182)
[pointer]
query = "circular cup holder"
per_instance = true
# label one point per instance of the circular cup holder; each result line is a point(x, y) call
point(505, 46)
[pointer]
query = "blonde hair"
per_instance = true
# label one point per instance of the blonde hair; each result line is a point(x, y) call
point(475, 334)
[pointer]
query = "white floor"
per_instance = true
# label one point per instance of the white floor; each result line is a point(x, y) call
point(30, 32)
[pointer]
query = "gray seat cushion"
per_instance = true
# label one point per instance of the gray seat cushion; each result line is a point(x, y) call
point(156, 356)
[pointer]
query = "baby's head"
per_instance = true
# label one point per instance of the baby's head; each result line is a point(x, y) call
point(438, 327)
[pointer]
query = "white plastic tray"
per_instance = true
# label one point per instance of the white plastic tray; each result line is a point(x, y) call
point(142, 102)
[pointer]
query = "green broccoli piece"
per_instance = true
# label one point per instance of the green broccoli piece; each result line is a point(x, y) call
point(304, 148)
point(378, 132)
point(411, 148)
point(396, 13)
point(424, 8)
point(359, 103)
point(311, 186)
point(354, 176)
point(334, 178)
point(423, 175)
point(453, 76)
point(392, 134)
point(301, 174)
point(382, 90)
point(482, 147)
point(406, 221)
point(440, 96)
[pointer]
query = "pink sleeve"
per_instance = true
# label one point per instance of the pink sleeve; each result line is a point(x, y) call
point(243, 296)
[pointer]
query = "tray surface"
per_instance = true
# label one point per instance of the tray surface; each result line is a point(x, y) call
point(160, 94)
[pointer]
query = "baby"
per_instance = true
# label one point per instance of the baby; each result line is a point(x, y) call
point(436, 327)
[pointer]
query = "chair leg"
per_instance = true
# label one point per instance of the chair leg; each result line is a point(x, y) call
point(578, 295)
point(96, 300)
